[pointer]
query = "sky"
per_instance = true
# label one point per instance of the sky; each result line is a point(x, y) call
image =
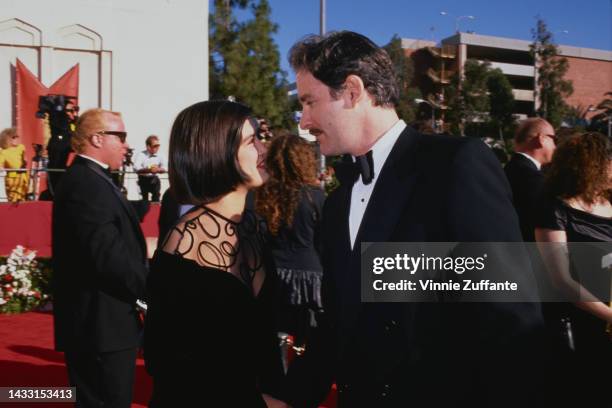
point(588, 22)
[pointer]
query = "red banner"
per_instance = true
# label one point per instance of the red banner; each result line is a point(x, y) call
point(29, 89)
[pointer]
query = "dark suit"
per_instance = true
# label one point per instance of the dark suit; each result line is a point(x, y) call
point(99, 262)
point(526, 182)
point(431, 188)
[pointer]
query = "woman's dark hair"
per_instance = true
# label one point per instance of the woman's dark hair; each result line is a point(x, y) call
point(204, 143)
point(291, 164)
point(335, 56)
point(579, 168)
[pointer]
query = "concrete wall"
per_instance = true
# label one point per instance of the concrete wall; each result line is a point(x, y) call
point(145, 58)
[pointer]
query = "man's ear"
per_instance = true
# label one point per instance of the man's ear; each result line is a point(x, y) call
point(96, 140)
point(354, 89)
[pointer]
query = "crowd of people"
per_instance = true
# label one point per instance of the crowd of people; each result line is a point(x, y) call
point(251, 246)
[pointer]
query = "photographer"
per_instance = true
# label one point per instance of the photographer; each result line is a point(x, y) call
point(62, 111)
point(148, 164)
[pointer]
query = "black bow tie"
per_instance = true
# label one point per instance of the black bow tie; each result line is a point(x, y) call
point(364, 165)
point(107, 171)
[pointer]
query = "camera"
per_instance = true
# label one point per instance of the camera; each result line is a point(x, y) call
point(127, 160)
point(62, 118)
point(53, 104)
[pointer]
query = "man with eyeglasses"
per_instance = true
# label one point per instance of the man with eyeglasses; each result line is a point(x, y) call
point(148, 164)
point(534, 145)
point(99, 261)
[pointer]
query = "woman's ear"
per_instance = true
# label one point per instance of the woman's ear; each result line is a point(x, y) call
point(354, 89)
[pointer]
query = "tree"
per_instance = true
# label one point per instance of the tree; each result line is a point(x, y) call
point(468, 98)
point(601, 121)
point(222, 34)
point(404, 70)
point(483, 95)
point(501, 100)
point(247, 63)
point(551, 88)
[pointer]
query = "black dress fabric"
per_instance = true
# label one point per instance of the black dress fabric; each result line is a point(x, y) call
point(593, 346)
point(209, 341)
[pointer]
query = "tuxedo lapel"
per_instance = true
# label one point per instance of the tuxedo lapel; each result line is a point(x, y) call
point(133, 217)
point(342, 204)
point(393, 188)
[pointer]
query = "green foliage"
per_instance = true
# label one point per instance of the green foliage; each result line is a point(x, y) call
point(467, 97)
point(404, 70)
point(245, 62)
point(501, 100)
point(481, 101)
point(551, 88)
point(600, 122)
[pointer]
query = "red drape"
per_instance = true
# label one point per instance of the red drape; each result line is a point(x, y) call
point(29, 89)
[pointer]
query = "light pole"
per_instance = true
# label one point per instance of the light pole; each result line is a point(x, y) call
point(433, 112)
point(457, 19)
point(322, 18)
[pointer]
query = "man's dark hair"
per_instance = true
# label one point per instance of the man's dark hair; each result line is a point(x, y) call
point(204, 143)
point(150, 140)
point(335, 56)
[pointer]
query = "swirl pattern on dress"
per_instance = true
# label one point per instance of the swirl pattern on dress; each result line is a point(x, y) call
point(212, 240)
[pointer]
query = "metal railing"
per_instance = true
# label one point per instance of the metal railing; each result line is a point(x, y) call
point(37, 175)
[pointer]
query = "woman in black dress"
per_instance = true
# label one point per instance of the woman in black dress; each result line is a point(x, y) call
point(291, 202)
point(210, 336)
point(576, 211)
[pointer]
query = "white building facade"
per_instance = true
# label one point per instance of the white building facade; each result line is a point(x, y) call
point(147, 59)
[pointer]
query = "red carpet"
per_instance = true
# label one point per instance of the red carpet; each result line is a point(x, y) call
point(27, 358)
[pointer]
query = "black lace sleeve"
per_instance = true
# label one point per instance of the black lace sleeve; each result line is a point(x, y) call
point(212, 240)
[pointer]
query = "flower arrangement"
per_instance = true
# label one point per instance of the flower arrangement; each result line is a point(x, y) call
point(23, 282)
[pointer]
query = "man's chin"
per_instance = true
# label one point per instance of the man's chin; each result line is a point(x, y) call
point(326, 151)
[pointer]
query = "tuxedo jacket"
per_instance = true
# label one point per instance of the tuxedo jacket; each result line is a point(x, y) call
point(99, 263)
point(431, 188)
point(526, 182)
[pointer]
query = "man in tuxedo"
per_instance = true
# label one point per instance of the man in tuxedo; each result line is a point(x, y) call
point(397, 185)
point(534, 143)
point(99, 262)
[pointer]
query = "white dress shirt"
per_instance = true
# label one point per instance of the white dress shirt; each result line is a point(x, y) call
point(146, 160)
point(360, 195)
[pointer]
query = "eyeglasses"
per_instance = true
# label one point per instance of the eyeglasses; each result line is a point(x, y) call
point(121, 135)
point(553, 137)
